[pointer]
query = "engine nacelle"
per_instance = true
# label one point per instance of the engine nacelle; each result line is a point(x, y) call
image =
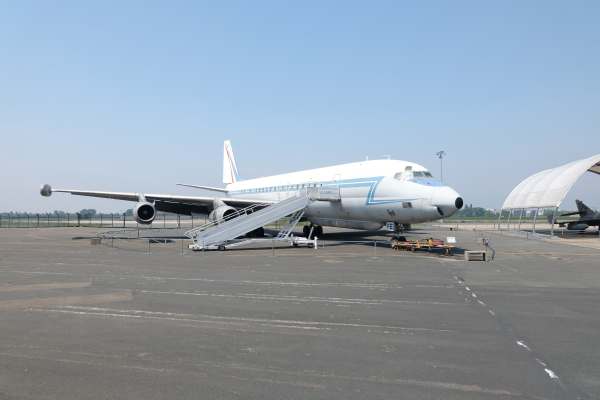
point(574, 226)
point(220, 213)
point(144, 213)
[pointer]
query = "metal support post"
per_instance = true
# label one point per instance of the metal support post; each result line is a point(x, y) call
point(534, 219)
point(552, 222)
point(499, 218)
point(520, 217)
point(508, 220)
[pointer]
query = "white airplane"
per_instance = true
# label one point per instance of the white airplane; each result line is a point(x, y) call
point(367, 195)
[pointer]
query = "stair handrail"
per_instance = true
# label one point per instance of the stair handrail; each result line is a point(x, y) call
point(190, 233)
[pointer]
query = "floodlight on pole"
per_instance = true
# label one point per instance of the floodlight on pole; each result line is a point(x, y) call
point(440, 154)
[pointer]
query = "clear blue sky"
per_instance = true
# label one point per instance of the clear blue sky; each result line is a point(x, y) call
point(136, 96)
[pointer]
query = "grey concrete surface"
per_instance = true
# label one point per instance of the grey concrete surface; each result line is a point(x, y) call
point(343, 322)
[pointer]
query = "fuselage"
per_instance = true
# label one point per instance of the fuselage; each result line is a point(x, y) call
point(371, 193)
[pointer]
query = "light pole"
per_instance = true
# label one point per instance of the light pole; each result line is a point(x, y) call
point(441, 155)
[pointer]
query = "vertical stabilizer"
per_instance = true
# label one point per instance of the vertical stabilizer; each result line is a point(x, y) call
point(583, 209)
point(230, 172)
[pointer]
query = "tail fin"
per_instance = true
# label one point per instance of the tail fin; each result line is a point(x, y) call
point(230, 172)
point(583, 209)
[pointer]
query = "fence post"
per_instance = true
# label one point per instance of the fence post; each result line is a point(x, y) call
point(123, 220)
point(38, 220)
point(112, 220)
point(374, 248)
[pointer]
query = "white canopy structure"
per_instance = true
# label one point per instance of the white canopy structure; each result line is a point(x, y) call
point(548, 188)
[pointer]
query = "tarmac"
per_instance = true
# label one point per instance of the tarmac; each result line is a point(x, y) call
point(347, 321)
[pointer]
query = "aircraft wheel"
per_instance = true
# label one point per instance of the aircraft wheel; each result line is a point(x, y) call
point(221, 247)
point(318, 231)
point(306, 231)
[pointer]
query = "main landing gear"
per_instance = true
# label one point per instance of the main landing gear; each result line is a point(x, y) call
point(317, 230)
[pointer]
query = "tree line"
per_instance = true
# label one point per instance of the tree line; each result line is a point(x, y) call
point(85, 213)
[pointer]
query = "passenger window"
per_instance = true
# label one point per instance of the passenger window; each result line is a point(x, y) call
point(418, 174)
point(428, 174)
point(406, 204)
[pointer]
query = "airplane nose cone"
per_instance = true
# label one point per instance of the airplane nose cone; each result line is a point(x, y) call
point(458, 203)
point(447, 201)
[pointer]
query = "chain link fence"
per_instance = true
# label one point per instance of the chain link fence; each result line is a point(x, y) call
point(53, 220)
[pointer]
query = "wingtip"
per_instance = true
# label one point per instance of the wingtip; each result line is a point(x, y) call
point(46, 190)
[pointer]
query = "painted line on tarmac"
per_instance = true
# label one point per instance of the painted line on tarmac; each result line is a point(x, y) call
point(131, 313)
point(253, 296)
point(521, 344)
point(43, 286)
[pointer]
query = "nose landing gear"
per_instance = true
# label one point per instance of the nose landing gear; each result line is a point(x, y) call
point(399, 230)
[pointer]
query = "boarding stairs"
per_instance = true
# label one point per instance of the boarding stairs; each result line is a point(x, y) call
point(215, 235)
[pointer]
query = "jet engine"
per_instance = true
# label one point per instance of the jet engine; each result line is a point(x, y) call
point(220, 213)
point(577, 226)
point(144, 213)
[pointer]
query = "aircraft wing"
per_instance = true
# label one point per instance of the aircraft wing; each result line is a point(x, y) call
point(163, 202)
point(571, 213)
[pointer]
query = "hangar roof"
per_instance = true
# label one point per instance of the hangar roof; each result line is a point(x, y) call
point(548, 188)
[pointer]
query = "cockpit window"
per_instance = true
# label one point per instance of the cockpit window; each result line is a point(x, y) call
point(422, 174)
point(398, 176)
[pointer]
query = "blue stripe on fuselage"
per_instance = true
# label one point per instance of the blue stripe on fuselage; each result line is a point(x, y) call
point(370, 182)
